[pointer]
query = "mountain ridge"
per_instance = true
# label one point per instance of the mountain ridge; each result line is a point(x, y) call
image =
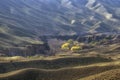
point(25, 20)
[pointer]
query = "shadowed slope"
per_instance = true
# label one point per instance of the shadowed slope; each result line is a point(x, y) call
point(52, 64)
point(60, 74)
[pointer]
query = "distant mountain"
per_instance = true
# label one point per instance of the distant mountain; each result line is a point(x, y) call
point(23, 21)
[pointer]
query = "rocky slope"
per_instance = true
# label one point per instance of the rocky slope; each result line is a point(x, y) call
point(24, 21)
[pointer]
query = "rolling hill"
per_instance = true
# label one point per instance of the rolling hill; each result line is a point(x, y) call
point(23, 21)
point(108, 75)
point(61, 74)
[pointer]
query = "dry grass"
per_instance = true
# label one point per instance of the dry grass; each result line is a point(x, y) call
point(108, 75)
point(59, 74)
point(63, 67)
point(15, 58)
point(52, 64)
point(57, 69)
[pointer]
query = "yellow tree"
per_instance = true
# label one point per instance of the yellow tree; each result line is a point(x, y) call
point(65, 46)
point(76, 48)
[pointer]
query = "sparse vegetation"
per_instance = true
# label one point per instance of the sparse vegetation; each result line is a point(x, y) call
point(60, 74)
point(59, 39)
point(107, 75)
point(84, 66)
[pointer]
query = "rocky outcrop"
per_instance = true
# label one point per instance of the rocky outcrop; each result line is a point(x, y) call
point(99, 38)
point(87, 38)
point(28, 19)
